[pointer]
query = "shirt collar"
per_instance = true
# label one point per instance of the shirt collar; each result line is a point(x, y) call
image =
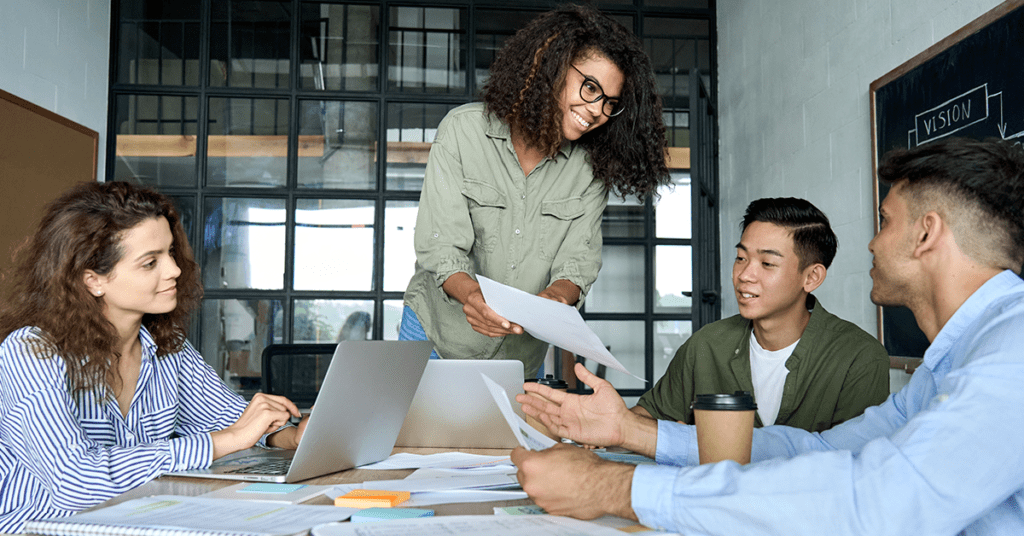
point(964, 317)
point(499, 129)
point(148, 344)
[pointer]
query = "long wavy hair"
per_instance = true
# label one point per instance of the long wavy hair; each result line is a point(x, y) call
point(45, 288)
point(528, 77)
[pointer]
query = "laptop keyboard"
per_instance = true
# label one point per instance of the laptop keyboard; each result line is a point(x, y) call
point(270, 467)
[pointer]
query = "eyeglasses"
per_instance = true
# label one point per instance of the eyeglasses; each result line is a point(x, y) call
point(591, 91)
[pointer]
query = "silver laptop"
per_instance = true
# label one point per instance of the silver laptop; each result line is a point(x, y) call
point(358, 413)
point(453, 408)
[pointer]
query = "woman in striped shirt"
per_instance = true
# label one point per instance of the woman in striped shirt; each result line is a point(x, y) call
point(99, 390)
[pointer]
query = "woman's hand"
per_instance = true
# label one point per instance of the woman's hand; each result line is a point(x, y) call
point(563, 291)
point(288, 438)
point(480, 316)
point(264, 414)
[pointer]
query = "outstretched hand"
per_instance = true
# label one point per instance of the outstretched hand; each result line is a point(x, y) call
point(480, 316)
point(594, 419)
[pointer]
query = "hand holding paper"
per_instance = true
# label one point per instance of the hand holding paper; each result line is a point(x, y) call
point(527, 435)
point(549, 321)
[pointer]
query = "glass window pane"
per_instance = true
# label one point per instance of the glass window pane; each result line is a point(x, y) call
point(623, 219)
point(247, 143)
point(427, 49)
point(625, 340)
point(185, 205)
point(673, 279)
point(235, 332)
point(249, 43)
point(691, 4)
point(668, 337)
point(672, 212)
point(156, 140)
point(493, 27)
point(620, 285)
point(399, 252)
point(328, 321)
point(243, 243)
point(334, 244)
point(392, 318)
point(158, 42)
point(337, 144)
point(411, 130)
point(338, 47)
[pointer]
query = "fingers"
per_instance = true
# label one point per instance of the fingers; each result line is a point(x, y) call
point(276, 403)
point(584, 375)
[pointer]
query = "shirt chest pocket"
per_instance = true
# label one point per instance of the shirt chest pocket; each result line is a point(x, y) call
point(487, 207)
point(556, 217)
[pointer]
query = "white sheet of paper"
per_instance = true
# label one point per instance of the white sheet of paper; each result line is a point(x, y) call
point(444, 483)
point(549, 321)
point(440, 460)
point(527, 435)
point(427, 498)
point(434, 472)
point(538, 525)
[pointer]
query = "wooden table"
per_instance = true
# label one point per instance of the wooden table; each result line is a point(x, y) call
point(190, 486)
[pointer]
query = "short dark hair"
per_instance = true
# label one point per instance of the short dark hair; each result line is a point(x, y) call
point(977, 185)
point(813, 239)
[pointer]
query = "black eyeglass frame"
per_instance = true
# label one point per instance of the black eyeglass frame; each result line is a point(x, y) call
point(616, 102)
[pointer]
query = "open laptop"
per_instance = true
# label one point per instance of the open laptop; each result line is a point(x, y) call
point(358, 413)
point(453, 408)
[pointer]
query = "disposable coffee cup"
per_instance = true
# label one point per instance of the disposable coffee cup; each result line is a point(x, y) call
point(725, 426)
point(551, 382)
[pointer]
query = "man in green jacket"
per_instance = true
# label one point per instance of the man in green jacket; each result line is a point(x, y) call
point(806, 367)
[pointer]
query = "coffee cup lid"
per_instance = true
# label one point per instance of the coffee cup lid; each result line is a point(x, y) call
point(738, 401)
point(551, 382)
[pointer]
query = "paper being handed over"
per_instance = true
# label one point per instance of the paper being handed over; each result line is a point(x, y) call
point(550, 321)
point(527, 435)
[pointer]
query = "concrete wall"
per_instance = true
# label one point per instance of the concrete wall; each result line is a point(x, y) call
point(794, 102)
point(56, 55)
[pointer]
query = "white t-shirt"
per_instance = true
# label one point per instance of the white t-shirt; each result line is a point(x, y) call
point(768, 372)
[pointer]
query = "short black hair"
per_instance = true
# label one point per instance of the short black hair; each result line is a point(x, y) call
point(983, 180)
point(813, 239)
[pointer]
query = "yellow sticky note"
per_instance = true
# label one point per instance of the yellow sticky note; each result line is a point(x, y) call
point(368, 498)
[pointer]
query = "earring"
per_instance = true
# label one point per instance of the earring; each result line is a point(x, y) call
point(99, 293)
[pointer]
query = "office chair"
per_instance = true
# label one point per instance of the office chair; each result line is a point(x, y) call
point(296, 371)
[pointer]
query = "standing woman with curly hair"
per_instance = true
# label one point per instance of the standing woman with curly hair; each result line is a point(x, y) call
point(99, 390)
point(515, 186)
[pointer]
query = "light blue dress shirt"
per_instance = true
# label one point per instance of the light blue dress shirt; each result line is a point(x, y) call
point(943, 456)
point(61, 453)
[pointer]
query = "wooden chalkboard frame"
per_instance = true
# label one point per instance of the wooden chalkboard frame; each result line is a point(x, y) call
point(41, 155)
point(924, 60)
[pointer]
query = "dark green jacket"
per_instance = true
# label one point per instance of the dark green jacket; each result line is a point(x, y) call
point(835, 372)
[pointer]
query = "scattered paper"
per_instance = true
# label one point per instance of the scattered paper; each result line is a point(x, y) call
point(445, 483)
point(428, 498)
point(542, 525)
point(528, 436)
point(549, 321)
point(441, 460)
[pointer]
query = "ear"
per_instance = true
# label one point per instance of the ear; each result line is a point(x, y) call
point(93, 282)
point(814, 276)
point(928, 232)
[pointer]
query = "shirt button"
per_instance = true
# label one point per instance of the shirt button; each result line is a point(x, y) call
point(435, 235)
point(513, 267)
point(524, 196)
point(517, 231)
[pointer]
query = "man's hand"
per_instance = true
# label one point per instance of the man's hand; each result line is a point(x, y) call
point(599, 419)
point(480, 316)
point(570, 481)
point(264, 414)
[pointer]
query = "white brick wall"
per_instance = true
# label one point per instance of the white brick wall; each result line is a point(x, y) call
point(793, 98)
point(56, 55)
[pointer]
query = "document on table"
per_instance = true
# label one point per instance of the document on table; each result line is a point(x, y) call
point(528, 436)
point(428, 498)
point(440, 460)
point(549, 321)
point(540, 525)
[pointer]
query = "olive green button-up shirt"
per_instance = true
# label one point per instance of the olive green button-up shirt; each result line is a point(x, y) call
point(835, 372)
point(479, 214)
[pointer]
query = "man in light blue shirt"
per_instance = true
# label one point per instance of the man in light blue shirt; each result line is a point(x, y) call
point(945, 455)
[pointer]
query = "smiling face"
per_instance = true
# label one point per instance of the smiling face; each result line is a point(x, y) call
point(144, 281)
point(766, 274)
point(580, 116)
point(892, 250)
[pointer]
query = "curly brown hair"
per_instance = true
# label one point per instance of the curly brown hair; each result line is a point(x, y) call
point(528, 76)
point(45, 288)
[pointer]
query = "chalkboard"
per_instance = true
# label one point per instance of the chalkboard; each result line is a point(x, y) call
point(970, 84)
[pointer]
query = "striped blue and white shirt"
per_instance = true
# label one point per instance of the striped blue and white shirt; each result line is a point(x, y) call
point(61, 453)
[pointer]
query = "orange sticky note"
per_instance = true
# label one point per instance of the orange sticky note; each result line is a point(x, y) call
point(368, 498)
